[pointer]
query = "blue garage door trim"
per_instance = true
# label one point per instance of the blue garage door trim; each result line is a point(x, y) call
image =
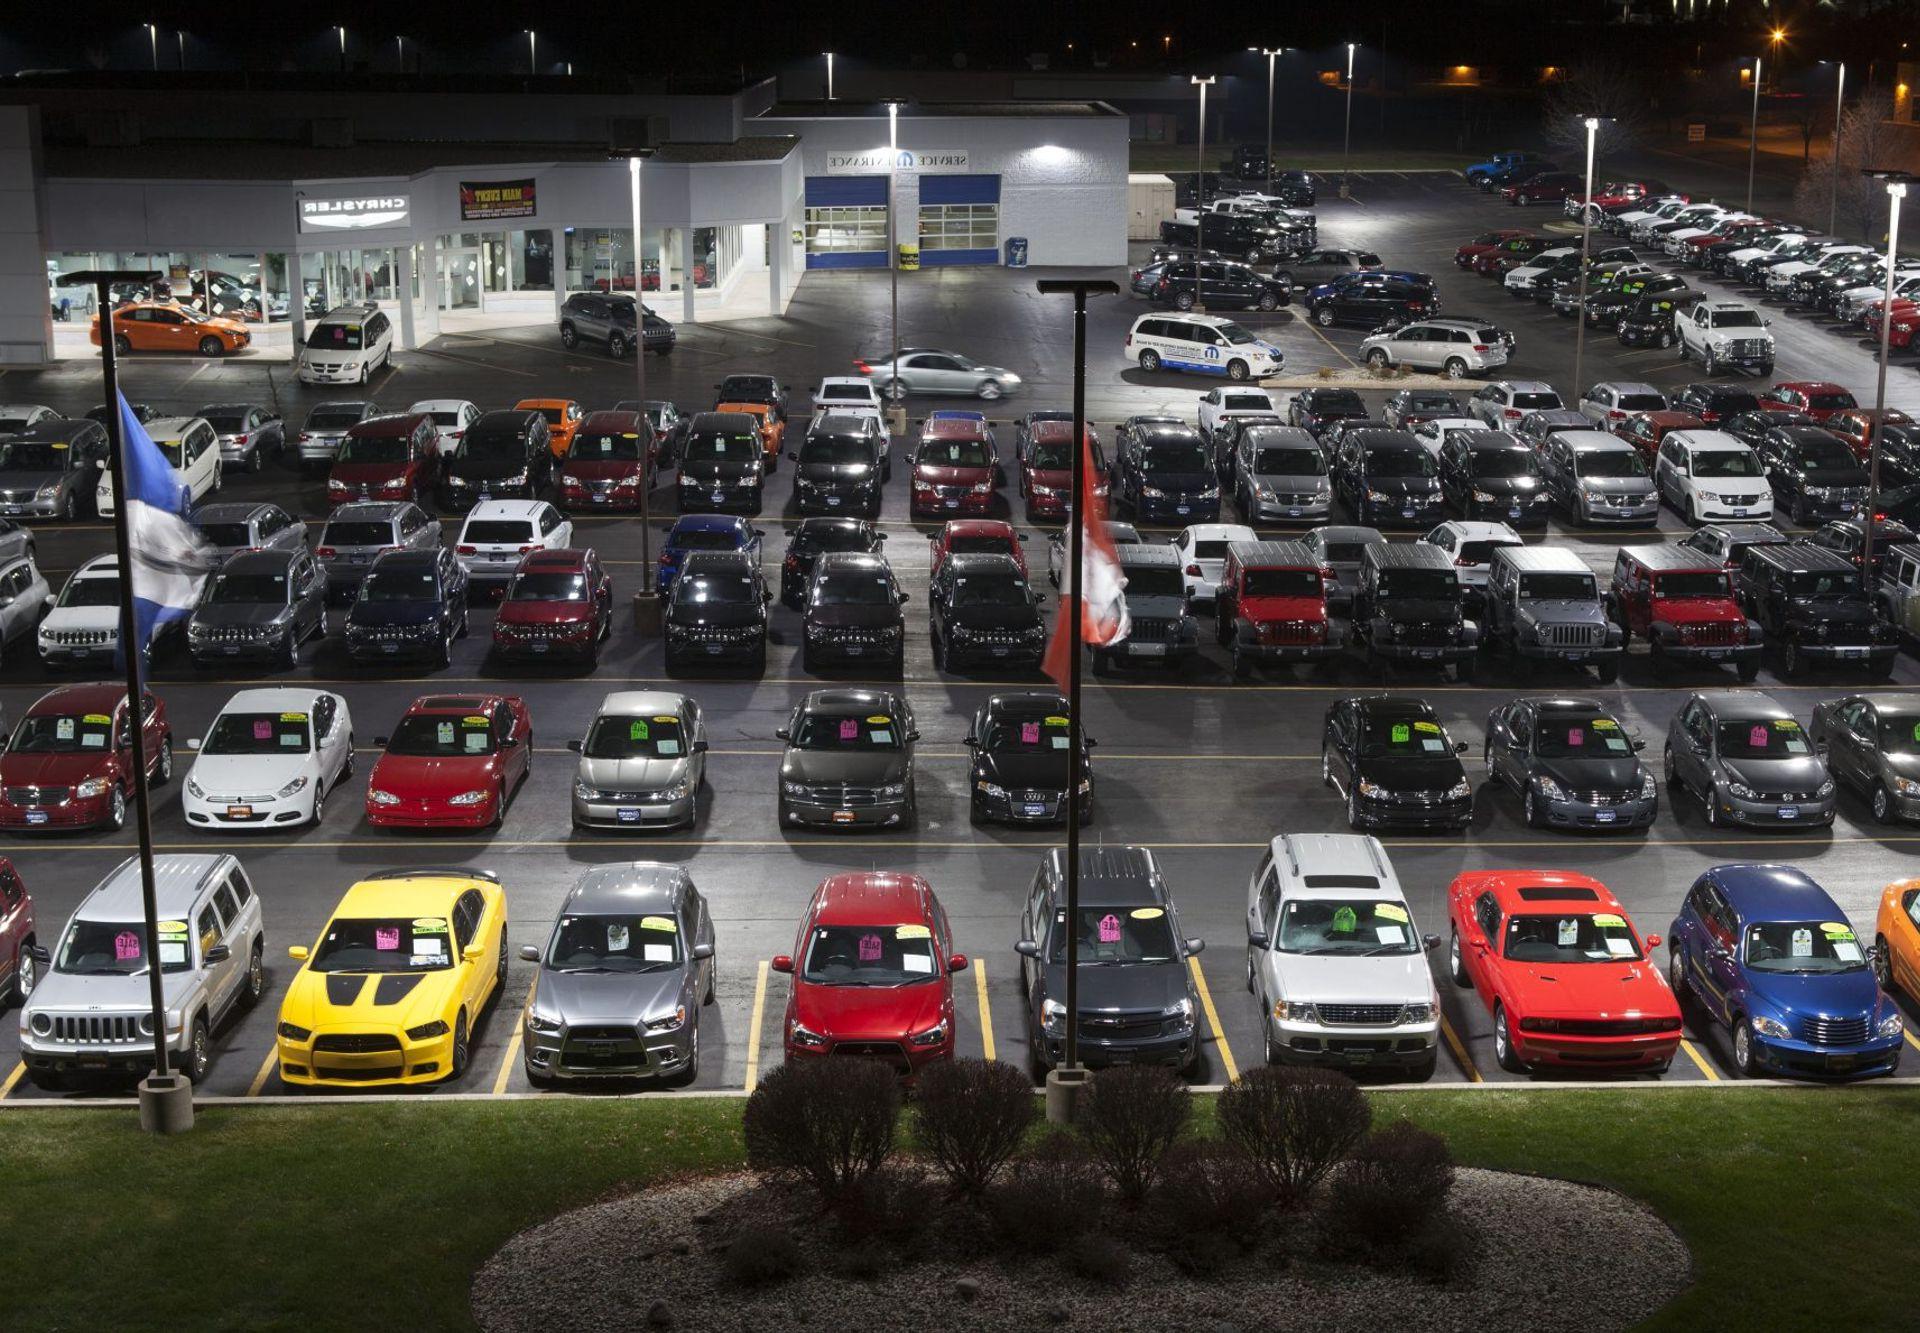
point(936, 258)
point(848, 259)
point(829, 191)
point(959, 189)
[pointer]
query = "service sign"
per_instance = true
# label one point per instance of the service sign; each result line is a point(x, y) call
point(357, 214)
point(484, 201)
point(880, 161)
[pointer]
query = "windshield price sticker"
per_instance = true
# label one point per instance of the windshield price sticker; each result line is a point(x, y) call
point(293, 717)
point(429, 946)
point(473, 721)
point(1401, 733)
point(443, 732)
point(1785, 724)
point(63, 729)
point(172, 928)
point(912, 932)
point(1612, 919)
point(1836, 930)
point(636, 730)
point(1057, 721)
point(97, 720)
point(1109, 929)
point(1802, 943)
point(663, 924)
point(1757, 738)
point(666, 719)
point(1345, 920)
point(429, 925)
point(915, 962)
point(656, 953)
point(869, 948)
point(1569, 931)
point(1576, 736)
point(126, 947)
point(880, 720)
point(386, 938)
point(262, 730)
point(1147, 913)
point(1390, 911)
point(849, 729)
point(618, 937)
point(1390, 934)
point(1605, 724)
point(1029, 733)
point(1431, 728)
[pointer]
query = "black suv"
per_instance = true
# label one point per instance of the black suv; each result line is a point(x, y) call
point(1316, 409)
point(412, 604)
point(838, 467)
point(1372, 300)
point(1395, 765)
point(718, 611)
point(815, 537)
point(1813, 473)
point(1217, 284)
point(504, 455)
point(607, 321)
point(261, 606)
point(1407, 609)
point(1604, 309)
point(1161, 624)
point(981, 609)
point(722, 464)
point(1387, 476)
point(1543, 604)
point(853, 611)
point(1648, 321)
point(1489, 474)
point(1810, 602)
point(1750, 428)
point(1020, 760)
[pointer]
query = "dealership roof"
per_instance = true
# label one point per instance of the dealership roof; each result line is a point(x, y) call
point(226, 159)
point(842, 110)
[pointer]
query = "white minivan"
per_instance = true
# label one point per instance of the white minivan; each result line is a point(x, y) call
point(1709, 475)
point(346, 346)
point(1203, 343)
point(191, 447)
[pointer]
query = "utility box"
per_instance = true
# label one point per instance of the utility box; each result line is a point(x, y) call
point(1150, 202)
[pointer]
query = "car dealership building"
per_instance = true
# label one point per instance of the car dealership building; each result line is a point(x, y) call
point(438, 202)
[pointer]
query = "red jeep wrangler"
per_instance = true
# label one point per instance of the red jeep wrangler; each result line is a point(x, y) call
point(1271, 605)
point(1681, 602)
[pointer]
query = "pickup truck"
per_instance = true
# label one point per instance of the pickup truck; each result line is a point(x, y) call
point(1726, 333)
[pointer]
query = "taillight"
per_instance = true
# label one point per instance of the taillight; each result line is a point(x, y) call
point(1326, 571)
point(466, 550)
point(1511, 413)
point(326, 552)
point(525, 549)
point(457, 434)
point(1194, 570)
point(862, 367)
point(1481, 347)
point(666, 557)
point(240, 439)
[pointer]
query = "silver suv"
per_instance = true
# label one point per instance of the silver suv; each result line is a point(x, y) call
point(1456, 347)
point(90, 1011)
point(356, 533)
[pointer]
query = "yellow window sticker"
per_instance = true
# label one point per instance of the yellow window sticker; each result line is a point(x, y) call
point(1390, 911)
point(660, 923)
point(97, 720)
point(293, 717)
point(1609, 919)
point(474, 721)
point(665, 717)
point(1431, 728)
point(879, 721)
point(911, 932)
point(1057, 721)
point(429, 925)
point(1836, 930)
point(1146, 913)
point(171, 927)
point(629, 434)
point(1785, 724)
point(1605, 724)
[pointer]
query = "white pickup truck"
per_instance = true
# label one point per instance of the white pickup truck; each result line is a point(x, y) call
point(1726, 333)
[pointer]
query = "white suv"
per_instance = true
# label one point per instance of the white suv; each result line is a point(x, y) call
point(848, 396)
point(1203, 343)
point(499, 533)
point(82, 625)
point(1202, 549)
point(348, 344)
point(1708, 474)
point(90, 1010)
point(451, 417)
point(1456, 347)
point(1470, 544)
point(1335, 960)
point(1219, 406)
point(1504, 403)
point(192, 450)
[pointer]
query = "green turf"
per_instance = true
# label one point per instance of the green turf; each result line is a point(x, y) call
point(1800, 1207)
point(1180, 157)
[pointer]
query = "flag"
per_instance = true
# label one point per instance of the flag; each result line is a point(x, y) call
point(170, 557)
point(1103, 611)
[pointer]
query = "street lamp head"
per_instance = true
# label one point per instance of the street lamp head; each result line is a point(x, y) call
point(1779, 36)
point(1593, 123)
point(1199, 82)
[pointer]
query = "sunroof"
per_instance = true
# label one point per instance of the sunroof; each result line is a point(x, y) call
point(1339, 881)
point(1552, 894)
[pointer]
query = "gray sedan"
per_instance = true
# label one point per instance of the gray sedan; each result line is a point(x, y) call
point(1871, 743)
point(641, 762)
point(1748, 760)
point(930, 370)
point(249, 433)
point(622, 980)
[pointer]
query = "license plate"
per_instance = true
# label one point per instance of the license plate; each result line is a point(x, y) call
point(1359, 1057)
point(1604, 816)
point(1183, 509)
point(231, 650)
point(953, 504)
point(1032, 809)
point(718, 496)
point(1407, 512)
point(389, 647)
point(1425, 653)
point(1840, 1063)
point(485, 496)
point(713, 650)
point(1850, 652)
point(13, 509)
point(1789, 812)
point(627, 815)
point(539, 645)
point(1150, 649)
point(239, 812)
point(599, 499)
point(36, 816)
point(832, 500)
point(855, 649)
point(843, 816)
point(1001, 652)
point(1513, 511)
point(1846, 507)
point(1293, 512)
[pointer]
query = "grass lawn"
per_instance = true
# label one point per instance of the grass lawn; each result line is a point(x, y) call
point(1180, 157)
point(1801, 1208)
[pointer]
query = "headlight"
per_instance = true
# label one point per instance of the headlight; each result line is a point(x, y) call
point(146, 1024)
point(1294, 1011)
point(1825, 789)
point(1906, 787)
point(982, 487)
point(1378, 497)
point(42, 1024)
point(293, 1032)
point(1372, 789)
point(379, 797)
point(673, 793)
point(1742, 791)
point(794, 788)
point(1711, 497)
point(1265, 492)
point(1210, 493)
point(1152, 493)
point(803, 1036)
point(1053, 1018)
point(517, 479)
point(427, 1030)
point(539, 1022)
point(668, 1022)
point(193, 790)
point(1323, 490)
point(1460, 790)
point(933, 1036)
point(91, 788)
point(297, 785)
point(993, 789)
point(1483, 497)
point(586, 793)
point(892, 790)
point(1417, 1013)
point(1550, 789)
point(1181, 1013)
point(1891, 1026)
point(48, 491)
point(1086, 786)
point(1770, 1027)
point(334, 484)
point(467, 798)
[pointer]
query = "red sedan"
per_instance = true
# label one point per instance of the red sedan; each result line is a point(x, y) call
point(872, 970)
point(1567, 979)
point(1046, 473)
point(69, 764)
point(975, 536)
point(1484, 242)
point(386, 458)
point(607, 463)
point(451, 763)
point(559, 603)
point(954, 468)
point(1818, 399)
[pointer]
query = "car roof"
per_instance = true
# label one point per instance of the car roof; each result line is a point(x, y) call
point(849, 701)
point(171, 428)
point(367, 511)
point(872, 897)
point(273, 699)
point(851, 562)
point(1026, 703)
point(728, 523)
point(1541, 891)
point(1893, 705)
point(1763, 891)
point(99, 566)
point(700, 562)
point(1216, 531)
point(408, 892)
point(1146, 553)
point(1335, 863)
point(1628, 386)
point(1592, 439)
point(555, 557)
point(971, 427)
point(979, 527)
point(1542, 559)
point(233, 511)
point(1346, 532)
point(1393, 705)
point(56, 429)
point(438, 404)
point(981, 562)
point(455, 703)
point(88, 698)
point(388, 424)
point(1709, 440)
point(642, 701)
point(1524, 386)
point(1271, 554)
point(1802, 557)
point(632, 886)
point(1568, 703)
point(513, 420)
point(609, 419)
point(177, 877)
point(276, 558)
point(1405, 555)
point(491, 509)
point(1112, 876)
point(1671, 557)
point(1742, 704)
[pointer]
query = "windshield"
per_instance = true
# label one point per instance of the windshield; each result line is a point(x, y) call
point(1816, 452)
point(869, 955)
point(1579, 736)
point(401, 584)
point(1611, 463)
point(1028, 733)
point(1642, 402)
point(1057, 456)
point(1558, 587)
point(1479, 552)
point(30, 456)
point(1282, 583)
point(1211, 549)
point(703, 539)
point(1337, 926)
point(955, 453)
point(258, 733)
point(227, 534)
point(548, 586)
point(445, 418)
point(1431, 584)
point(1234, 334)
point(1489, 463)
point(1403, 738)
point(834, 731)
point(375, 449)
point(1698, 583)
point(614, 942)
point(1900, 735)
point(990, 590)
point(621, 736)
point(836, 449)
point(335, 337)
point(721, 447)
point(61, 733)
point(855, 588)
point(979, 544)
point(246, 589)
point(1442, 403)
point(752, 388)
point(1246, 402)
point(1762, 738)
point(357, 534)
point(443, 736)
point(605, 447)
point(1277, 462)
point(1117, 935)
point(1737, 319)
point(1180, 456)
point(1603, 937)
point(1725, 463)
point(1399, 462)
point(497, 532)
point(1154, 581)
point(844, 393)
point(1803, 946)
point(91, 591)
point(710, 588)
point(554, 415)
point(383, 944)
point(1824, 583)
point(491, 446)
point(119, 948)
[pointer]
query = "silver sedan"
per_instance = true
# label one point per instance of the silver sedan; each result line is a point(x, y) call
point(930, 370)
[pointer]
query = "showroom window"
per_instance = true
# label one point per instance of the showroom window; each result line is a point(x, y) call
point(960, 227)
point(847, 230)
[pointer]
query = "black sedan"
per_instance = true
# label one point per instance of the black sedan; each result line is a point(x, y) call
point(1393, 762)
point(1316, 409)
point(1020, 761)
point(1572, 763)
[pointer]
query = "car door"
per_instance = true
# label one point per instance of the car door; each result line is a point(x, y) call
point(1209, 412)
point(220, 977)
point(1720, 956)
point(331, 743)
point(1847, 755)
point(1341, 744)
point(1511, 745)
point(1692, 748)
point(1480, 948)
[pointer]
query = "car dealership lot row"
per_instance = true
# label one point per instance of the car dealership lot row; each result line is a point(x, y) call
point(1198, 767)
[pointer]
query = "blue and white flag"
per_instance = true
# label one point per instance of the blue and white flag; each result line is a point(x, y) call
point(171, 559)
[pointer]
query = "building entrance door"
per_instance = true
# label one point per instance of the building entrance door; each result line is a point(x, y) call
point(460, 279)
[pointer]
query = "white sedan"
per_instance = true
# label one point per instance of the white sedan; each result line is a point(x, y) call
point(451, 417)
point(1202, 549)
point(269, 760)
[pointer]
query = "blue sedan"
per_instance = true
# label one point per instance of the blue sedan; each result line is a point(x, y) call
point(1769, 954)
point(704, 532)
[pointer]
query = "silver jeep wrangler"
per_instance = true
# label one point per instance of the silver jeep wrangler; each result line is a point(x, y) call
point(1543, 604)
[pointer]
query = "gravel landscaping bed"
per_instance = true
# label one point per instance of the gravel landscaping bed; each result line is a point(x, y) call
point(1548, 1254)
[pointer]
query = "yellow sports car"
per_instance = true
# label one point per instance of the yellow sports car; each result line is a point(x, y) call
point(1897, 960)
point(391, 990)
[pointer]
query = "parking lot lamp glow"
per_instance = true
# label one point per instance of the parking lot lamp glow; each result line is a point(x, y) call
point(1753, 129)
point(1833, 160)
point(341, 30)
point(829, 56)
point(1896, 183)
point(1200, 191)
point(893, 256)
point(1586, 236)
point(1346, 147)
point(153, 42)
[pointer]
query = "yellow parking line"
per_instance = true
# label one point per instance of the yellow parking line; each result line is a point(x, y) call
point(1459, 1049)
point(13, 1079)
point(753, 1029)
point(1213, 1020)
point(1699, 1061)
point(986, 1019)
point(513, 1054)
point(266, 1069)
point(1912, 1041)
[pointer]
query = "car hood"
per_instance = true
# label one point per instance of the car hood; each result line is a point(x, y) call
point(248, 774)
point(718, 615)
point(871, 1013)
point(16, 479)
point(610, 997)
point(1612, 773)
point(1838, 994)
point(1555, 611)
point(379, 1000)
point(1305, 484)
point(391, 613)
point(856, 616)
point(1617, 485)
point(1137, 987)
point(952, 476)
point(1179, 481)
point(1830, 611)
point(82, 617)
point(1835, 474)
point(1804, 773)
point(431, 775)
point(1507, 485)
point(604, 469)
point(59, 992)
point(1590, 990)
point(238, 613)
point(713, 469)
point(642, 773)
point(543, 613)
point(51, 770)
point(877, 769)
point(1351, 980)
point(1422, 610)
point(1403, 485)
point(1438, 773)
point(1793, 268)
point(995, 617)
point(836, 471)
point(1155, 607)
point(365, 474)
point(1025, 768)
point(485, 469)
point(1694, 610)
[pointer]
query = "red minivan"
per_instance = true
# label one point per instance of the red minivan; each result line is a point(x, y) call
point(386, 458)
point(606, 465)
point(954, 467)
point(1046, 470)
point(69, 764)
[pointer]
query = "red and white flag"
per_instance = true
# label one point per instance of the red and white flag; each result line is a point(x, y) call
point(1103, 611)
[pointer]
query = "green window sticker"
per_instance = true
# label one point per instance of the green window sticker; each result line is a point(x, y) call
point(1402, 733)
point(1345, 921)
point(636, 730)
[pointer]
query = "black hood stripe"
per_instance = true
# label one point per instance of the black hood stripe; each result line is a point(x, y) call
point(343, 988)
point(395, 988)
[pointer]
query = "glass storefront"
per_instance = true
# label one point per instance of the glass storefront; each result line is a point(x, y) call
point(249, 286)
point(330, 278)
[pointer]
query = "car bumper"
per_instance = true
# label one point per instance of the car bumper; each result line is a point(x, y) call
point(581, 501)
point(1803, 1058)
point(393, 650)
point(252, 650)
point(1685, 652)
point(907, 1060)
point(1542, 652)
point(555, 1055)
point(799, 812)
point(1423, 653)
point(1053, 504)
point(1272, 511)
point(836, 502)
point(1640, 1051)
point(1174, 650)
point(1877, 655)
point(409, 1061)
point(1533, 513)
point(343, 375)
point(825, 648)
point(1012, 654)
point(438, 814)
point(632, 814)
point(1186, 511)
point(579, 644)
point(1397, 1047)
point(1287, 652)
point(1766, 813)
point(1640, 335)
point(34, 508)
point(1016, 808)
point(1397, 513)
point(69, 814)
point(459, 499)
point(242, 815)
point(65, 656)
point(1625, 815)
point(707, 499)
point(1645, 513)
point(925, 505)
point(1104, 1052)
point(745, 650)
point(59, 1057)
point(1448, 816)
point(1759, 511)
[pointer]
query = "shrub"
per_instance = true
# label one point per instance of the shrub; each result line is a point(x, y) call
point(1209, 1189)
point(1293, 1125)
point(1131, 1115)
point(828, 1122)
point(1099, 1259)
point(761, 1254)
point(863, 1262)
point(971, 1116)
point(1441, 1251)
point(1051, 1194)
point(893, 1205)
point(1393, 1187)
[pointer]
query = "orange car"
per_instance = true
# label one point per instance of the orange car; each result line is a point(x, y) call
point(162, 326)
point(773, 431)
point(563, 418)
point(1896, 960)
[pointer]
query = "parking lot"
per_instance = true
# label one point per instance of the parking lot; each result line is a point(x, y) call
point(1198, 766)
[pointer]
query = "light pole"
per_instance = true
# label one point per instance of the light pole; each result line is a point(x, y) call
point(1269, 53)
point(1200, 192)
point(153, 43)
point(1896, 183)
point(1586, 235)
point(829, 56)
point(533, 64)
point(1833, 165)
point(180, 45)
point(341, 29)
point(1346, 147)
point(646, 598)
point(897, 390)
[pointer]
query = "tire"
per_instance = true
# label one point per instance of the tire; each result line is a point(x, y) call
point(499, 806)
point(1743, 1057)
point(163, 763)
point(569, 339)
point(1677, 980)
point(1149, 360)
point(255, 460)
point(1749, 671)
point(1531, 811)
point(70, 507)
point(256, 984)
point(47, 1080)
point(1688, 514)
point(1792, 664)
point(686, 1076)
point(1884, 811)
point(500, 968)
point(1377, 356)
point(458, 1065)
point(1183, 301)
point(1237, 371)
point(1456, 369)
point(989, 390)
point(1269, 302)
point(1503, 1052)
point(1242, 668)
point(1663, 339)
point(116, 812)
point(444, 658)
point(1710, 799)
point(121, 347)
point(211, 346)
point(199, 1054)
point(290, 660)
point(1609, 671)
point(617, 345)
point(1324, 317)
point(1456, 965)
point(1882, 965)
point(1669, 772)
point(1353, 807)
point(26, 973)
point(894, 391)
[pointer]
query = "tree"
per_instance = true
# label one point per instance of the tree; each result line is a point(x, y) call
point(1604, 88)
point(1867, 140)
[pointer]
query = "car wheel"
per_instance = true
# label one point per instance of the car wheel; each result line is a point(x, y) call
point(459, 1065)
point(163, 763)
point(1269, 302)
point(1677, 980)
point(1353, 807)
point(500, 968)
point(568, 338)
point(25, 972)
point(211, 346)
point(1149, 360)
point(1457, 965)
point(1456, 368)
point(1668, 769)
point(70, 507)
point(445, 657)
point(255, 459)
point(1377, 356)
point(1183, 301)
point(1882, 804)
point(1503, 1052)
point(1744, 1059)
point(1663, 339)
point(499, 806)
point(894, 391)
point(1710, 798)
point(290, 654)
point(1792, 663)
point(1271, 1049)
point(1324, 317)
point(617, 345)
point(199, 1055)
point(990, 389)
point(1530, 808)
point(256, 976)
point(121, 347)
point(1687, 513)
point(686, 1076)
point(116, 811)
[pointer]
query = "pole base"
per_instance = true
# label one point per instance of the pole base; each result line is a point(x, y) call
point(1064, 1086)
point(166, 1104)
point(646, 612)
point(896, 421)
point(1344, 194)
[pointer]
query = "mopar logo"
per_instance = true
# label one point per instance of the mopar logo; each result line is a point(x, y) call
point(903, 159)
point(1213, 353)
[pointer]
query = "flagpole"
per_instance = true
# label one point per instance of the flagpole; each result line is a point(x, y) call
point(1063, 1083)
point(166, 1099)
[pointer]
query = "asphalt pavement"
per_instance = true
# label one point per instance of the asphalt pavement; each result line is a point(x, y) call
point(1199, 767)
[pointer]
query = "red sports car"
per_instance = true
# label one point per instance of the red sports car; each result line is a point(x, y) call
point(872, 973)
point(975, 536)
point(954, 468)
point(1818, 399)
point(1484, 242)
point(559, 603)
point(451, 763)
point(1046, 473)
point(69, 764)
point(1567, 979)
point(607, 463)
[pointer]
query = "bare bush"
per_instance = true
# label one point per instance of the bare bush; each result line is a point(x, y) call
point(827, 1122)
point(1859, 204)
point(1394, 1185)
point(761, 1254)
point(1293, 1125)
point(1051, 1194)
point(970, 1117)
point(1131, 1116)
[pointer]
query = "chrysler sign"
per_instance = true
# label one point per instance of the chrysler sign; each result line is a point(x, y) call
point(382, 210)
point(880, 161)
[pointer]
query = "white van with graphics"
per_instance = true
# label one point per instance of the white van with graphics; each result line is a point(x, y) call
point(1202, 343)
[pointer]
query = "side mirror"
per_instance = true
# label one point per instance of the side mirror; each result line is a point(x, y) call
point(1430, 942)
point(905, 597)
point(193, 742)
point(782, 962)
point(473, 953)
point(1257, 939)
point(1027, 948)
point(782, 733)
point(380, 741)
point(701, 951)
point(1459, 747)
point(40, 954)
point(1639, 745)
point(972, 742)
point(1088, 741)
point(1653, 942)
point(1196, 946)
point(913, 735)
point(574, 746)
point(1021, 536)
point(793, 455)
point(699, 747)
point(530, 953)
point(508, 742)
point(297, 952)
point(957, 963)
point(219, 953)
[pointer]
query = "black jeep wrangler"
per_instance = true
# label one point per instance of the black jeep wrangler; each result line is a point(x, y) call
point(1810, 602)
point(1407, 609)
